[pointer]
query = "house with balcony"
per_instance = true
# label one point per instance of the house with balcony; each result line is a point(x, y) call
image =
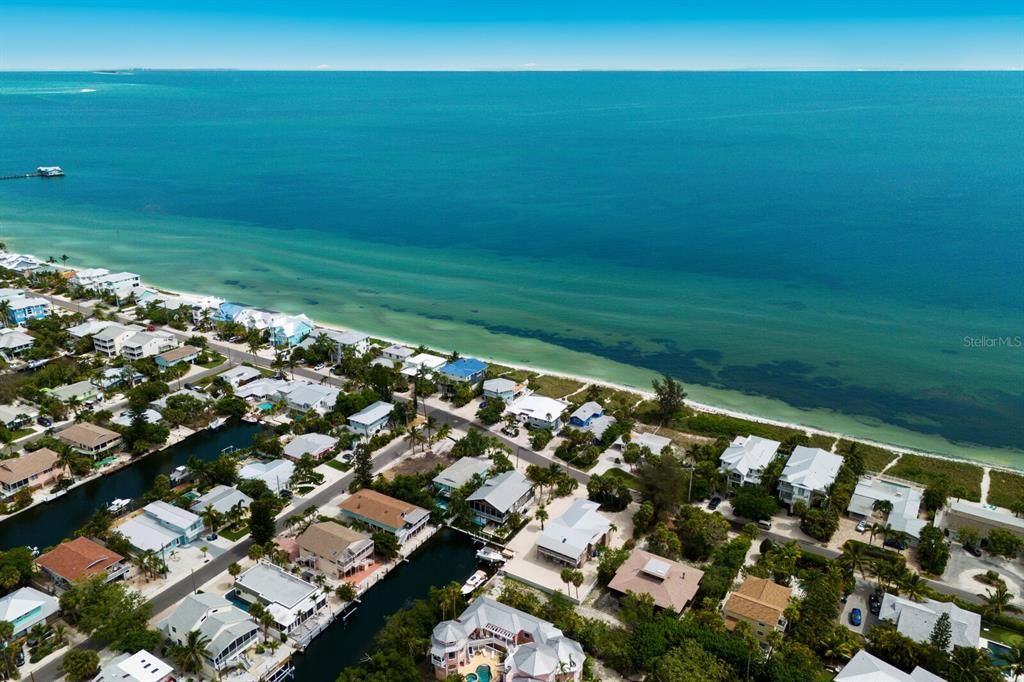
point(290, 600)
point(459, 474)
point(15, 343)
point(505, 389)
point(539, 412)
point(147, 344)
point(27, 607)
point(355, 342)
point(372, 419)
point(21, 308)
point(161, 526)
point(335, 550)
point(746, 458)
point(808, 474)
point(81, 559)
point(31, 470)
point(573, 538)
point(397, 353)
point(500, 496)
point(760, 603)
point(468, 371)
point(119, 284)
point(176, 356)
point(88, 278)
point(306, 397)
point(110, 341)
point(229, 630)
point(287, 331)
point(513, 644)
point(373, 509)
point(90, 439)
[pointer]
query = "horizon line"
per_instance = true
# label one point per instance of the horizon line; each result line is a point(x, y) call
point(880, 69)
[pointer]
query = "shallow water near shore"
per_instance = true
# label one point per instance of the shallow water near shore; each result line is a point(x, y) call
point(835, 250)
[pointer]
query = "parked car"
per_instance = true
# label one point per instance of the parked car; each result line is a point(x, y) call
point(855, 617)
point(19, 659)
point(862, 526)
point(715, 501)
point(211, 537)
point(319, 367)
point(895, 544)
point(286, 494)
point(44, 421)
point(765, 524)
point(971, 549)
point(875, 603)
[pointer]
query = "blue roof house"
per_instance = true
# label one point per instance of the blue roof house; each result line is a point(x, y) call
point(22, 309)
point(585, 414)
point(290, 331)
point(464, 370)
point(227, 312)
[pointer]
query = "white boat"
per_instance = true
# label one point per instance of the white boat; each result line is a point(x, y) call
point(490, 555)
point(218, 422)
point(54, 496)
point(118, 506)
point(33, 550)
point(50, 171)
point(475, 581)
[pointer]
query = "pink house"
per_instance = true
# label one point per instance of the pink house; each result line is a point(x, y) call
point(31, 470)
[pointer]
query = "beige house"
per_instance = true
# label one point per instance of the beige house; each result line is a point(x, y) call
point(671, 584)
point(90, 439)
point(982, 517)
point(335, 550)
point(759, 602)
point(30, 470)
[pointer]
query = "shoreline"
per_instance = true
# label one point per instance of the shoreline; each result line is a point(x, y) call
point(647, 394)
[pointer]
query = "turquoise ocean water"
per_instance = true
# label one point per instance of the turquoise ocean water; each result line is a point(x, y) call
point(839, 250)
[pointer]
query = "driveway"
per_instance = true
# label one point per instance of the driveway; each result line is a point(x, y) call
point(859, 600)
point(962, 567)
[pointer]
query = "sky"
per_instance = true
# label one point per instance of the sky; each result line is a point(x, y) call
point(509, 35)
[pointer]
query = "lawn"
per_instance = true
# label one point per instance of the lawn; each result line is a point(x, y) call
point(519, 375)
point(216, 360)
point(1005, 488)
point(234, 534)
point(928, 470)
point(340, 466)
point(495, 371)
point(1001, 634)
point(717, 425)
point(822, 441)
point(554, 387)
point(875, 458)
point(624, 477)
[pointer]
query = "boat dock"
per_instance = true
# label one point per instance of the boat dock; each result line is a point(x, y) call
point(40, 172)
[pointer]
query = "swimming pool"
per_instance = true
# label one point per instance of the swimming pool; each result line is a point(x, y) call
point(998, 653)
point(482, 674)
point(265, 407)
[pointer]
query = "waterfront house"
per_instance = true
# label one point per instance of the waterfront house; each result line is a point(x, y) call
point(31, 470)
point(916, 620)
point(110, 341)
point(335, 550)
point(864, 667)
point(369, 507)
point(512, 643)
point(808, 474)
point(150, 416)
point(655, 443)
point(289, 599)
point(585, 414)
point(223, 498)
point(19, 262)
point(118, 284)
point(355, 342)
point(160, 526)
point(539, 412)
point(26, 607)
point(226, 312)
point(89, 439)
point(423, 361)
point(670, 584)
point(277, 474)
point(15, 343)
point(161, 403)
point(501, 496)
point(81, 559)
point(289, 330)
point(113, 377)
point(18, 415)
point(21, 309)
point(89, 328)
point(397, 353)
point(229, 630)
point(905, 501)
point(317, 445)
point(459, 474)
point(87, 278)
point(307, 397)
point(573, 537)
point(462, 371)
point(82, 391)
point(240, 376)
point(141, 666)
point(147, 344)
point(760, 603)
point(371, 419)
point(746, 458)
point(176, 356)
point(983, 517)
point(505, 389)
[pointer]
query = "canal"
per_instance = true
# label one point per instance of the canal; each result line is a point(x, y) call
point(47, 524)
point(446, 557)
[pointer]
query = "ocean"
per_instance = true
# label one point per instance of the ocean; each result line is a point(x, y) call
point(841, 250)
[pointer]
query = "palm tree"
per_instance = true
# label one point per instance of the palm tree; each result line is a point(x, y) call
point(430, 425)
point(64, 259)
point(855, 557)
point(1014, 658)
point(913, 585)
point(542, 516)
point(873, 530)
point(254, 340)
point(566, 576)
point(415, 437)
point(997, 601)
point(577, 581)
point(5, 311)
point(839, 645)
point(211, 517)
point(968, 664)
point(450, 596)
point(189, 655)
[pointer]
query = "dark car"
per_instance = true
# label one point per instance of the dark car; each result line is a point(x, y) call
point(211, 537)
point(286, 494)
point(874, 604)
point(971, 549)
point(895, 544)
point(715, 501)
point(19, 659)
point(44, 421)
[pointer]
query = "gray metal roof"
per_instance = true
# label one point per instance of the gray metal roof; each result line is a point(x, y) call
point(502, 491)
point(273, 584)
point(460, 473)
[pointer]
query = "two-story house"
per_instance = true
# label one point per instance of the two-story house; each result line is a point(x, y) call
point(335, 550)
point(746, 458)
point(808, 474)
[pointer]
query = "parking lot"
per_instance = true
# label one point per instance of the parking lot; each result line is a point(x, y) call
point(859, 600)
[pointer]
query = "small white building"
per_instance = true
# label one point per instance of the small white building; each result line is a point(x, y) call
point(808, 474)
point(26, 607)
point(15, 342)
point(161, 526)
point(423, 361)
point(87, 278)
point(141, 666)
point(539, 412)
point(746, 458)
point(312, 398)
point(864, 667)
point(277, 474)
point(572, 538)
point(372, 419)
point(905, 500)
point(147, 344)
point(289, 599)
point(916, 620)
point(505, 389)
point(397, 353)
point(317, 445)
point(240, 376)
point(89, 328)
point(223, 498)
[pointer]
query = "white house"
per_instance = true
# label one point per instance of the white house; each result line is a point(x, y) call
point(241, 375)
point(317, 445)
point(15, 342)
point(745, 460)
point(905, 500)
point(141, 666)
point(312, 397)
point(397, 353)
point(425, 361)
point(539, 412)
point(89, 328)
point(147, 344)
point(119, 284)
point(356, 341)
point(916, 620)
point(26, 607)
point(808, 474)
point(505, 389)
point(864, 667)
point(161, 526)
point(572, 537)
point(289, 599)
point(372, 419)
point(228, 629)
point(87, 278)
point(222, 498)
point(276, 474)
point(110, 341)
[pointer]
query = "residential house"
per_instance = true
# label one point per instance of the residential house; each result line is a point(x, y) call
point(573, 537)
point(21, 309)
point(119, 284)
point(462, 371)
point(424, 362)
point(864, 667)
point(114, 377)
point(520, 646)
point(501, 496)
point(670, 584)
point(289, 330)
point(15, 343)
point(147, 344)
point(241, 375)
point(89, 328)
point(223, 498)
point(317, 445)
point(19, 262)
point(369, 507)
point(505, 389)
point(539, 412)
point(289, 599)
point(746, 458)
point(808, 474)
point(141, 666)
point(229, 630)
point(983, 517)
point(356, 342)
point(31, 470)
point(460, 473)
point(760, 603)
point(26, 607)
point(905, 501)
point(89, 439)
point(916, 620)
point(18, 415)
point(82, 391)
point(161, 403)
point(372, 419)
point(653, 442)
point(150, 416)
point(87, 278)
point(398, 353)
point(81, 559)
point(586, 413)
point(335, 550)
point(176, 356)
point(277, 474)
point(110, 341)
point(312, 398)
point(160, 526)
